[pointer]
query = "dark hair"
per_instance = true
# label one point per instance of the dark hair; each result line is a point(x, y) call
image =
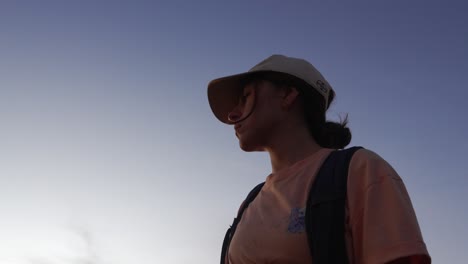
point(328, 134)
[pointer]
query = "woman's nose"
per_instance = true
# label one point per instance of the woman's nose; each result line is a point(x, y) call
point(234, 115)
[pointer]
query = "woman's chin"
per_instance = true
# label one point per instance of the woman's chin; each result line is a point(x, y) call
point(248, 146)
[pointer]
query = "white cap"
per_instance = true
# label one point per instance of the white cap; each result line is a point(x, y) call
point(223, 93)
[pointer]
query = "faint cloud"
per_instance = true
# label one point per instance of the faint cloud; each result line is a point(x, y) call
point(87, 254)
point(91, 256)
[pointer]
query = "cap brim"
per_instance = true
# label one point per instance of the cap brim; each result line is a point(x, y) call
point(223, 94)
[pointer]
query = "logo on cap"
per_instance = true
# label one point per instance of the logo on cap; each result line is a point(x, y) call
point(322, 86)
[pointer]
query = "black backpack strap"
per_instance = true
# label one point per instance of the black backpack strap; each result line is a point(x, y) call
point(325, 213)
point(230, 232)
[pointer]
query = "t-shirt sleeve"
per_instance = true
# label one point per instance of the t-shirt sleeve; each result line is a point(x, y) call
point(382, 221)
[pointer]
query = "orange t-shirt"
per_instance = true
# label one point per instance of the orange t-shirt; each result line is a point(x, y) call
point(381, 225)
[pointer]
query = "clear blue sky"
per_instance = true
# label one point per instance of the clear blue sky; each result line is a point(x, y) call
point(109, 152)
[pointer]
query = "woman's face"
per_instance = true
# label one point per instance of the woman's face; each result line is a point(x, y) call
point(257, 115)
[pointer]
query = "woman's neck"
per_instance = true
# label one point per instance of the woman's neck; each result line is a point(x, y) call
point(290, 148)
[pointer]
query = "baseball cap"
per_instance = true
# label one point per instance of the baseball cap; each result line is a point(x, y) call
point(223, 93)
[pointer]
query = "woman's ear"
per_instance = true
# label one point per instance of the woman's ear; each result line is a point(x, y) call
point(290, 96)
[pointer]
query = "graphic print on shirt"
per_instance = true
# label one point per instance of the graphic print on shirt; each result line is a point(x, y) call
point(297, 220)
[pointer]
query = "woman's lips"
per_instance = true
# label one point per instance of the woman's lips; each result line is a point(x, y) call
point(237, 128)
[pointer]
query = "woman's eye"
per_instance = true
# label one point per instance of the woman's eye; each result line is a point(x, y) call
point(243, 98)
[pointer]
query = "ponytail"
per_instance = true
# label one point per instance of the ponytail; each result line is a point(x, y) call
point(328, 134)
point(332, 134)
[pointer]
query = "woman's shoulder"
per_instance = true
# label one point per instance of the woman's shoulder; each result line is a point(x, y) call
point(365, 154)
point(368, 168)
point(378, 203)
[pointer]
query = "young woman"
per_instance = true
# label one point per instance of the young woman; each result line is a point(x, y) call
point(279, 107)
